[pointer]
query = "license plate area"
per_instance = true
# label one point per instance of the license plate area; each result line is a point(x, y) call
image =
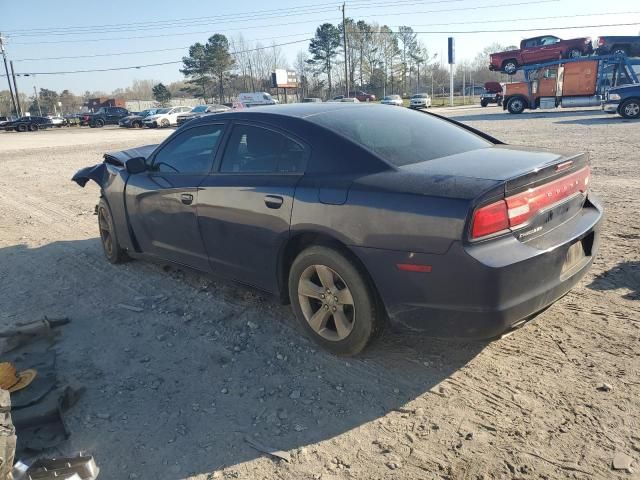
point(576, 254)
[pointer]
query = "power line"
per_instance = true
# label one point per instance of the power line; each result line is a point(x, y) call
point(511, 4)
point(277, 13)
point(311, 33)
point(529, 29)
point(134, 67)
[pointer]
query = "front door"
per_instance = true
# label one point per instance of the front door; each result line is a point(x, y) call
point(244, 209)
point(162, 202)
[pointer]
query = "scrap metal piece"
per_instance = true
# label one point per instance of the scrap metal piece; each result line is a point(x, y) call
point(268, 450)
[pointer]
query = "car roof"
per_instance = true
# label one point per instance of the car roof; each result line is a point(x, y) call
point(295, 110)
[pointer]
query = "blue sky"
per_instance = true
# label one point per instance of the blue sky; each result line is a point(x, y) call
point(290, 22)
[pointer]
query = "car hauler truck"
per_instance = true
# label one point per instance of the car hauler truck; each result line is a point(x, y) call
point(580, 82)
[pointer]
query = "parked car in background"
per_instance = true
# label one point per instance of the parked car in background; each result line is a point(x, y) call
point(311, 100)
point(57, 121)
point(5, 119)
point(537, 50)
point(359, 216)
point(624, 100)
point(165, 117)
point(254, 99)
point(364, 96)
point(200, 110)
point(104, 116)
point(492, 94)
point(73, 119)
point(343, 99)
point(629, 46)
point(395, 100)
point(420, 100)
point(30, 124)
point(134, 120)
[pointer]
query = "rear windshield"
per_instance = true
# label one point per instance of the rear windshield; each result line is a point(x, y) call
point(400, 136)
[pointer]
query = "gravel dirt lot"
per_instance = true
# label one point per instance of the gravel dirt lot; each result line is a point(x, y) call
point(174, 391)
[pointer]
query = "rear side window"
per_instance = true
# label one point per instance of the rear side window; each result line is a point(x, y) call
point(258, 150)
point(400, 136)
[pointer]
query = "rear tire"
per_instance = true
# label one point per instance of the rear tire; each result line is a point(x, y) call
point(510, 67)
point(334, 301)
point(630, 108)
point(137, 124)
point(21, 128)
point(574, 53)
point(164, 123)
point(516, 105)
point(108, 237)
point(33, 127)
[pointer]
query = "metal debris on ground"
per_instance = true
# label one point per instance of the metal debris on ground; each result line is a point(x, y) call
point(69, 468)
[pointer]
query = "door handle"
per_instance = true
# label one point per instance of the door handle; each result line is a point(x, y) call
point(186, 198)
point(273, 201)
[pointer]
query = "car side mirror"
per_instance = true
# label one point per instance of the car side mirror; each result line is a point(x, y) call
point(136, 165)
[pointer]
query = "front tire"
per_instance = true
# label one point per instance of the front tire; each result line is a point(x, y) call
point(108, 236)
point(99, 123)
point(33, 127)
point(630, 108)
point(483, 103)
point(619, 51)
point(516, 105)
point(333, 301)
point(21, 128)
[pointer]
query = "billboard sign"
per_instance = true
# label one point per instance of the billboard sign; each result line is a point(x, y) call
point(282, 78)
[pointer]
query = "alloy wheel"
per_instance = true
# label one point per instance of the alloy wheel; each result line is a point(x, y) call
point(632, 109)
point(105, 232)
point(326, 302)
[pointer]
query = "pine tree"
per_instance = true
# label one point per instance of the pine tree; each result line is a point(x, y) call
point(161, 94)
point(324, 47)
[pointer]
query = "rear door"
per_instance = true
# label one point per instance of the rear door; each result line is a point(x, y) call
point(244, 208)
point(162, 202)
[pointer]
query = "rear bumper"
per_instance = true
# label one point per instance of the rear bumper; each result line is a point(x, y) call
point(482, 291)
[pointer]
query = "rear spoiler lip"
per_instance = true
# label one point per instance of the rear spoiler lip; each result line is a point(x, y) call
point(547, 173)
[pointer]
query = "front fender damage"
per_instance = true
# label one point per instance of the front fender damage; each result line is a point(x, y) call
point(97, 173)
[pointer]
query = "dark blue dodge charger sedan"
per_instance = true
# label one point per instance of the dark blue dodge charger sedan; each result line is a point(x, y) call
point(359, 215)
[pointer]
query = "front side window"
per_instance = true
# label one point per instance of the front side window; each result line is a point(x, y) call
point(189, 152)
point(258, 150)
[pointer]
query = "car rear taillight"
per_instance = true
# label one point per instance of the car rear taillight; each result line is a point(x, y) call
point(516, 210)
point(490, 219)
point(600, 41)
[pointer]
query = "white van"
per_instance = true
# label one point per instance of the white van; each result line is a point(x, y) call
point(254, 99)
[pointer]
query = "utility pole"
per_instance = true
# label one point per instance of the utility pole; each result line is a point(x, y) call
point(346, 58)
point(6, 69)
point(35, 95)
point(15, 86)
